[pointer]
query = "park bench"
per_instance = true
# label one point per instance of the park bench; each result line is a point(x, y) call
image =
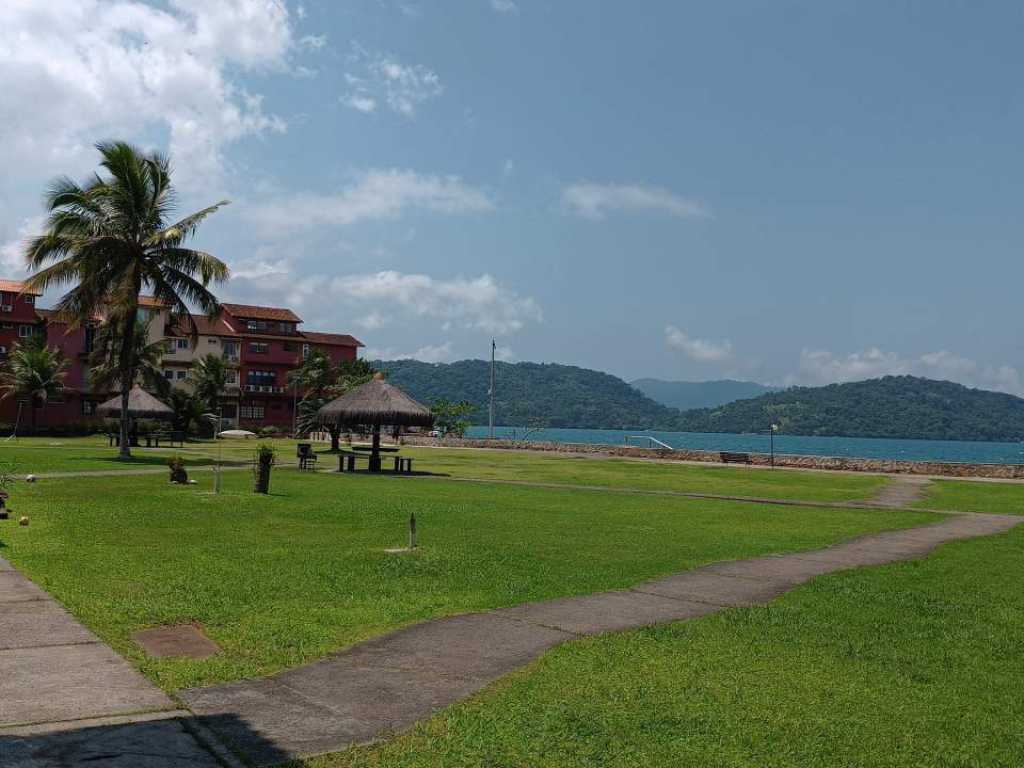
point(347, 460)
point(403, 465)
point(728, 457)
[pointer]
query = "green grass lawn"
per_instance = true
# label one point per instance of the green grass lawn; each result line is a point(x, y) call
point(975, 496)
point(648, 475)
point(281, 580)
point(915, 664)
point(40, 455)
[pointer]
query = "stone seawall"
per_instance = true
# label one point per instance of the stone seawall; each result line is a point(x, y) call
point(893, 466)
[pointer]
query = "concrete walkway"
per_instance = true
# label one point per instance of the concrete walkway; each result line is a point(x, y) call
point(67, 699)
point(389, 683)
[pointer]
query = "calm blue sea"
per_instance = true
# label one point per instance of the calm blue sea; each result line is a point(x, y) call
point(859, 447)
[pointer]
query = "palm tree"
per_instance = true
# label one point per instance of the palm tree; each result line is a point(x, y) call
point(323, 385)
point(187, 409)
point(110, 238)
point(35, 372)
point(105, 361)
point(209, 380)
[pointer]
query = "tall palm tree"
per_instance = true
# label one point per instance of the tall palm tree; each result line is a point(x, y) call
point(112, 237)
point(105, 361)
point(35, 372)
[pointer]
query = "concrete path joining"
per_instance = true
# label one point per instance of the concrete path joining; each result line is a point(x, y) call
point(67, 699)
point(389, 683)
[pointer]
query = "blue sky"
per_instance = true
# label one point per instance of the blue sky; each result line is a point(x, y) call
point(784, 192)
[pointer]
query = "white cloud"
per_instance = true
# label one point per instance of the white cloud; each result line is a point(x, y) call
point(439, 353)
point(375, 194)
point(313, 42)
point(505, 6)
point(822, 367)
point(595, 201)
point(360, 102)
point(255, 269)
point(479, 303)
point(12, 252)
point(383, 78)
point(75, 71)
point(701, 350)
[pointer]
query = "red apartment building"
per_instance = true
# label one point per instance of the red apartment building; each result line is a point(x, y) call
point(263, 345)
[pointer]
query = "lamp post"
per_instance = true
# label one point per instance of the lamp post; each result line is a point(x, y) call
point(772, 429)
point(217, 419)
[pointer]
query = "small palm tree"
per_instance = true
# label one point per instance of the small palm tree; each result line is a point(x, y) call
point(35, 372)
point(187, 409)
point(209, 376)
point(112, 238)
point(105, 361)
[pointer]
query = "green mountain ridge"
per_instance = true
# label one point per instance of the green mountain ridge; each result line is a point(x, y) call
point(564, 396)
point(891, 407)
point(686, 395)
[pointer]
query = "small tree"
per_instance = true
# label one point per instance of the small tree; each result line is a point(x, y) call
point(146, 360)
point(34, 372)
point(209, 376)
point(188, 409)
point(452, 418)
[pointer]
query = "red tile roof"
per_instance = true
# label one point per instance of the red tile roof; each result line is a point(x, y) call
point(204, 327)
point(152, 301)
point(249, 311)
point(338, 339)
point(15, 286)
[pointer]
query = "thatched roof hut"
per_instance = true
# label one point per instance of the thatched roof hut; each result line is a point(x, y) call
point(141, 405)
point(376, 404)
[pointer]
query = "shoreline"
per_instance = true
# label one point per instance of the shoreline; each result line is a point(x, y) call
point(783, 460)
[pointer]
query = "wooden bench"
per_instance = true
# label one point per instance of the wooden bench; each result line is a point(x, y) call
point(347, 460)
point(403, 465)
point(727, 457)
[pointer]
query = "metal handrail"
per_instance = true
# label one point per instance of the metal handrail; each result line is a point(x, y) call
point(651, 441)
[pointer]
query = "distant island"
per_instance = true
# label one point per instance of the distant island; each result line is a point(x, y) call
point(564, 396)
point(686, 395)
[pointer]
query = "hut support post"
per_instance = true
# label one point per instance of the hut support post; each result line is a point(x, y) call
point(375, 453)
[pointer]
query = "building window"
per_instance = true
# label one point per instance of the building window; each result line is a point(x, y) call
point(231, 377)
point(182, 375)
point(288, 327)
point(88, 407)
point(181, 343)
point(289, 346)
point(259, 347)
point(24, 331)
point(30, 300)
point(90, 338)
point(211, 341)
point(252, 411)
point(3, 349)
point(7, 326)
point(168, 374)
point(306, 349)
point(256, 325)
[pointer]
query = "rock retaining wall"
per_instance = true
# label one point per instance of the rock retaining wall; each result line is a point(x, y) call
point(950, 469)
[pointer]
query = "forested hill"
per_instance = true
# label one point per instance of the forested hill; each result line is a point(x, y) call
point(894, 406)
point(533, 393)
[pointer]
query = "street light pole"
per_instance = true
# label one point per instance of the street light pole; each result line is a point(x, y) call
point(772, 429)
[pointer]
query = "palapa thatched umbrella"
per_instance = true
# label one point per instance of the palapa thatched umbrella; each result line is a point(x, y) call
point(141, 405)
point(375, 404)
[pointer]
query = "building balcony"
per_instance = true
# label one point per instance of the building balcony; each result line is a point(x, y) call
point(266, 389)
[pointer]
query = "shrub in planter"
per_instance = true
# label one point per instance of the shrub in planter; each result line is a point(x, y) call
point(261, 468)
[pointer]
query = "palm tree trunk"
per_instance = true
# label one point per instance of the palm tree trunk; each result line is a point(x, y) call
point(126, 375)
point(335, 438)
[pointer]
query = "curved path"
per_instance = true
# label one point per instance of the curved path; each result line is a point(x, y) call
point(389, 683)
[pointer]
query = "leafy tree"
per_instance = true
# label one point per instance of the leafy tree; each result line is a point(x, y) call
point(111, 238)
point(209, 376)
point(452, 418)
point(105, 360)
point(35, 372)
point(327, 385)
point(315, 375)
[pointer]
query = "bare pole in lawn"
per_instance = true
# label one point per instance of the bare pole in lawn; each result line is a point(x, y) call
point(490, 410)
